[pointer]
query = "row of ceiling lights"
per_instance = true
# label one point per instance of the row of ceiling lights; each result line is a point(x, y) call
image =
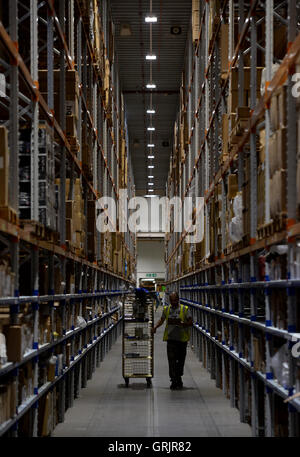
point(150, 19)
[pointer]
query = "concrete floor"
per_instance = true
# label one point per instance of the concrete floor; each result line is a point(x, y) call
point(106, 408)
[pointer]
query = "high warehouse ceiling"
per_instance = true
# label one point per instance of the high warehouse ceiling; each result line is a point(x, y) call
point(169, 47)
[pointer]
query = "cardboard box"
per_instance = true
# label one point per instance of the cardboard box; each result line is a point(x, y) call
point(70, 234)
point(69, 209)
point(72, 83)
point(51, 372)
point(282, 107)
point(116, 241)
point(262, 144)
point(242, 112)
point(71, 126)
point(281, 148)
point(232, 186)
point(4, 166)
point(14, 344)
point(278, 195)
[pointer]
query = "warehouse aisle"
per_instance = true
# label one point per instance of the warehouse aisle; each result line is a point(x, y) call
point(106, 408)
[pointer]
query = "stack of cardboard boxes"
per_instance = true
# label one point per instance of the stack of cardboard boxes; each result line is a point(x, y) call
point(233, 97)
point(278, 153)
point(75, 218)
point(71, 103)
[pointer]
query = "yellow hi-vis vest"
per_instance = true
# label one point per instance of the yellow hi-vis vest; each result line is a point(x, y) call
point(185, 332)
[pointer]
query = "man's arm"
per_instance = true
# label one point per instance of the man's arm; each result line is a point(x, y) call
point(159, 323)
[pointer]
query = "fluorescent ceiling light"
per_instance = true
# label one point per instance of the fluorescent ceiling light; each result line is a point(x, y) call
point(151, 128)
point(151, 111)
point(150, 19)
point(150, 57)
point(151, 86)
point(150, 145)
point(150, 184)
point(150, 190)
point(149, 177)
point(150, 166)
point(150, 157)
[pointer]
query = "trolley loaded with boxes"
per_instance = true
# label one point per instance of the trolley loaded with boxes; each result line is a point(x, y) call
point(137, 337)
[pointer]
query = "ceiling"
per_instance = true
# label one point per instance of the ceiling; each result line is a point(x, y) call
point(135, 74)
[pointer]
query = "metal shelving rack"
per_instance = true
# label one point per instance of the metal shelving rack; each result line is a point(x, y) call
point(57, 35)
point(231, 304)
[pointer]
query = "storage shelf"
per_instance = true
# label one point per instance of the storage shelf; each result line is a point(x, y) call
point(31, 401)
point(273, 384)
point(46, 347)
point(242, 320)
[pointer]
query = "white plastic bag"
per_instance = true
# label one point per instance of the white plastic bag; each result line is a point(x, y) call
point(80, 322)
point(280, 366)
point(236, 223)
point(3, 354)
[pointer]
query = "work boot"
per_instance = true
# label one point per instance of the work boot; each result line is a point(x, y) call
point(173, 385)
point(179, 383)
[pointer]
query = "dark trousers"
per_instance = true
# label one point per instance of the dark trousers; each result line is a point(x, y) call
point(176, 351)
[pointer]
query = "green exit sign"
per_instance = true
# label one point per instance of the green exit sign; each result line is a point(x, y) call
point(151, 275)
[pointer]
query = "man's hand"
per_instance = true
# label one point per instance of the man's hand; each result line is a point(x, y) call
point(153, 330)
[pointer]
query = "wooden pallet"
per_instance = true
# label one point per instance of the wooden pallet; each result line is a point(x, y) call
point(9, 214)
point(34, 227)
point(51, 235)
point(237, 246)
point(79, 252)
point(277, 225)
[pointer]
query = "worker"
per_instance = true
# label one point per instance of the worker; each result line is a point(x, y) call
point(177, 334)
